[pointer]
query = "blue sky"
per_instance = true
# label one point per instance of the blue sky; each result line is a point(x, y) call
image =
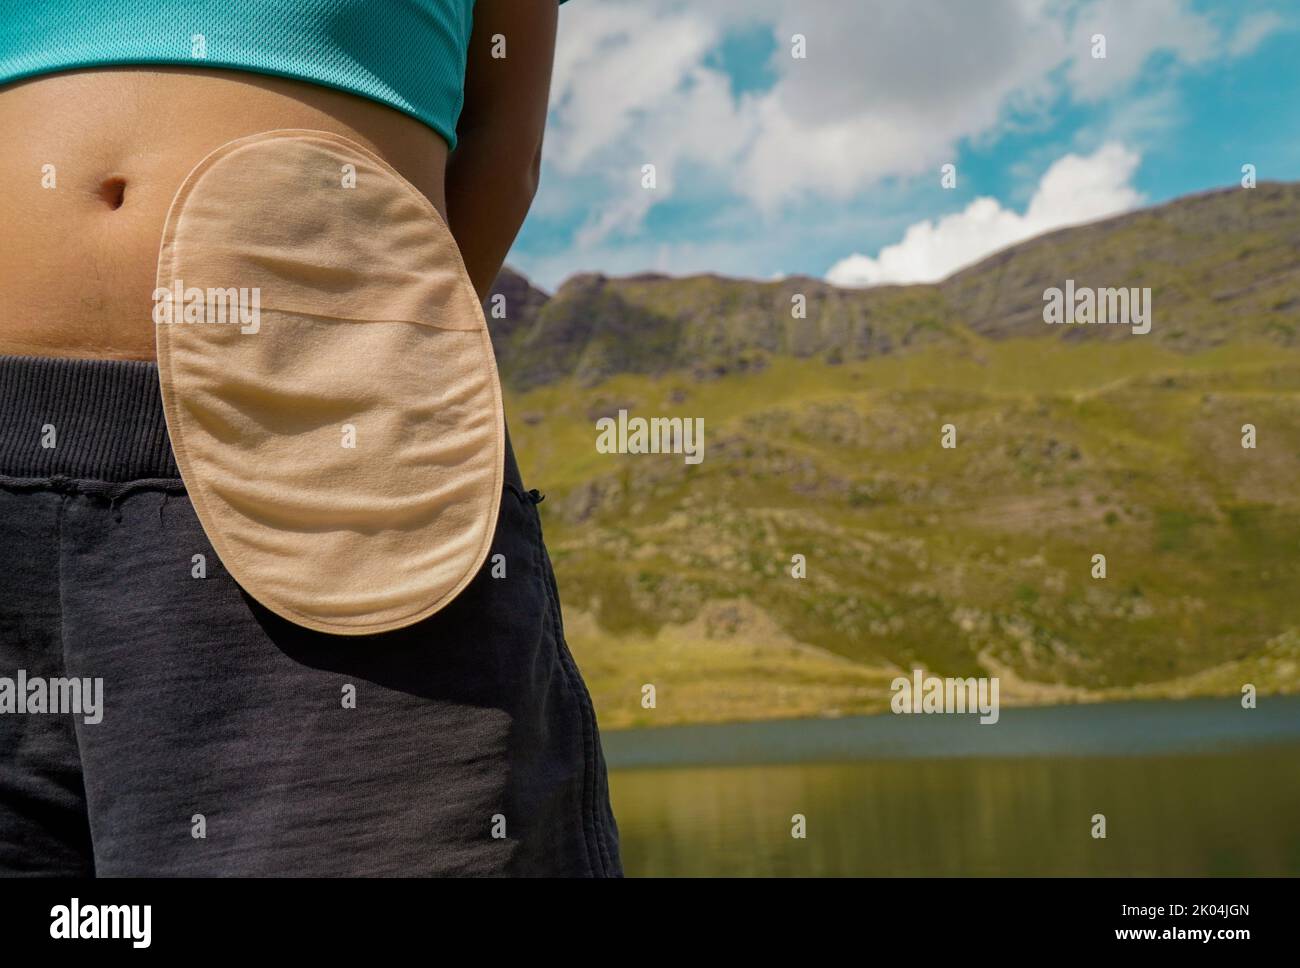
point(768, 164)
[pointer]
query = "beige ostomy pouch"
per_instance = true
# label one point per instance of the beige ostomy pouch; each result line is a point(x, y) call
point(329, 383)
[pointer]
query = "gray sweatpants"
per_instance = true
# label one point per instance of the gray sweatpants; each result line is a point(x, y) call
point(228, 741)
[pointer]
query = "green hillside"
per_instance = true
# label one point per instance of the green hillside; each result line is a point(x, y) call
point(822, 438)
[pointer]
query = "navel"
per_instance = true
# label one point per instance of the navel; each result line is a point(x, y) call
point(113, 191)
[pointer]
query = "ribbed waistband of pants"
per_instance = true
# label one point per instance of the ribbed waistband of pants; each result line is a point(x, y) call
point(98, 420)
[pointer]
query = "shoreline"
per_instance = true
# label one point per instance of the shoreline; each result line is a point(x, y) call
point(1144, 727)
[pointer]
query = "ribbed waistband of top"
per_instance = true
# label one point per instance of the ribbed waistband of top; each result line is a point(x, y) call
point(97, 420)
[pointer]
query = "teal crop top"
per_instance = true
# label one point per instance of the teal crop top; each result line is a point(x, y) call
point(408, 54)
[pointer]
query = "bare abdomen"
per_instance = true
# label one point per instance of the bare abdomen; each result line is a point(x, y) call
point(89, 166)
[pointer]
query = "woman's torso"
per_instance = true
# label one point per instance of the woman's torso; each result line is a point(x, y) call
point(78, 259)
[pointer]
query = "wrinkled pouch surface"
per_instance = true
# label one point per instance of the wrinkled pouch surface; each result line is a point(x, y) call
point(329, 383)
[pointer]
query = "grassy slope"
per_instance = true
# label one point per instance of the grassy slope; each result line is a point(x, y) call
point(967, 560)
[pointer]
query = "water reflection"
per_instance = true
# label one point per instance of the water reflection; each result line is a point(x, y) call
point(1213, 813)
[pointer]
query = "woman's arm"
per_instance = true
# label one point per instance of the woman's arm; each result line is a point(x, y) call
point(492, 175)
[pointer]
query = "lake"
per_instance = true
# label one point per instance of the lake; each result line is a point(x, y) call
point(1187, 788)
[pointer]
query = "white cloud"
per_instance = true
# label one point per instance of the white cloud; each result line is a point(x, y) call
point(889, 90)
point(1253, 30)
point(886, 90)
point(631, 89)
point(1134, 32)
point(695, 126)
point(613, 68)
point(1074, 189)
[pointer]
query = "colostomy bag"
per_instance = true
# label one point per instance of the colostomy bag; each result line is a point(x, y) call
point(342, 442)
